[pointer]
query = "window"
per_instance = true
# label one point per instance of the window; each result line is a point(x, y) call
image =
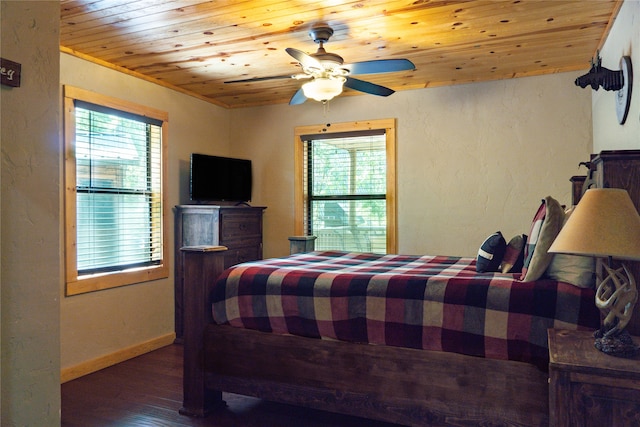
point(114, 205)
point(345, 186)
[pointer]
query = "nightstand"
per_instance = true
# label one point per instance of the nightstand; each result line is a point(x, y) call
point(588, 387)
point(298, 244)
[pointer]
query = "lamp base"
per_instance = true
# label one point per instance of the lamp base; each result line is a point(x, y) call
point(617, 344)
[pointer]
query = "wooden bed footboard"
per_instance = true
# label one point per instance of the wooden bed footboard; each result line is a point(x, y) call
point(201, 266)
point(405, 386)
point(400, 385)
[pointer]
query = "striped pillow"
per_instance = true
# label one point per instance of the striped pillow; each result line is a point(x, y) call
point(546, 225)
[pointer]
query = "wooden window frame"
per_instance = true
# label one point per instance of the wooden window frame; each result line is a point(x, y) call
point(79, 284)
point(300, 192)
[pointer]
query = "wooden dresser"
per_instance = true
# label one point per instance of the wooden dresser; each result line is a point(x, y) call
point(590, 388)
point(239, 228)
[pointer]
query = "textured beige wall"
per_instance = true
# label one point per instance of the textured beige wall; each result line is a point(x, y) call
point(100, 323)
point(472, 159)
point(623, 40)
point(30, 201)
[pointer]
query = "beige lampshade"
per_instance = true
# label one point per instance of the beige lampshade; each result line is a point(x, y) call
point(605, 223)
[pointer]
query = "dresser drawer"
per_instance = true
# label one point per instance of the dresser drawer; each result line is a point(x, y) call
point(242, 241)
point(243, 254)
point(234, 226)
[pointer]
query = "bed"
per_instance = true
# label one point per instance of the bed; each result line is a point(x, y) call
point(414, 340)
point(391, 369)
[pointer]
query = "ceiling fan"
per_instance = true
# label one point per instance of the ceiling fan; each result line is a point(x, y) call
point(327, 73)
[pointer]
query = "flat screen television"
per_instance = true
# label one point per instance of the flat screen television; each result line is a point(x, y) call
point(214, 178)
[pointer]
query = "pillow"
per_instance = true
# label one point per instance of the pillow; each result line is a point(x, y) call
point(514, 255)
point(577, 270)
point(544, 229)
point(490, 253)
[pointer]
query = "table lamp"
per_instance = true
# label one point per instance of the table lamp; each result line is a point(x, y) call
point(605, 224)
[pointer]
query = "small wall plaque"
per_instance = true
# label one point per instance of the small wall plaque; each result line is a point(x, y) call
point(9, 73)
point(623, 100)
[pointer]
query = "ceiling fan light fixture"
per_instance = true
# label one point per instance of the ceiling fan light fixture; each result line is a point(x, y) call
point(323, 89)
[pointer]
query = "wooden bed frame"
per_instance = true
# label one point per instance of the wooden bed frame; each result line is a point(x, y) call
point(405, 386)
point(399, 385)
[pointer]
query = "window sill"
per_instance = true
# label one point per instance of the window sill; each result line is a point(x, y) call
point(98, 282)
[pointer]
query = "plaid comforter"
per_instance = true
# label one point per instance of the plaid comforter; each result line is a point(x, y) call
point(424, 302)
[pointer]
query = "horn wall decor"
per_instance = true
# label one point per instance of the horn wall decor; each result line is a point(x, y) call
point(620, 81)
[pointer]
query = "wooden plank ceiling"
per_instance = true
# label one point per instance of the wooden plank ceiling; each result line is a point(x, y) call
point(194, 46)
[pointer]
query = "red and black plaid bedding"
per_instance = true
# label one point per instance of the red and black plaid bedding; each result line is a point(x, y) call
point(425, 302)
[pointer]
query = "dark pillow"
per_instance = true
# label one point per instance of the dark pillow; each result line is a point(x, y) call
point(490, 253)
point(514, 255)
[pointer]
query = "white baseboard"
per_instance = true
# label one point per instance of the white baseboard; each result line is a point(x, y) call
point(90, 366)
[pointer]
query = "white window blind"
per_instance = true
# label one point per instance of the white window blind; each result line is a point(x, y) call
point(118, 189)
point(345, 178)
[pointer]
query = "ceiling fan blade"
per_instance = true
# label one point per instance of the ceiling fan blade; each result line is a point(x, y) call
point(306, 60)
point(367, 87)
point(260, 79)
point(380, 66)
point(298, 98)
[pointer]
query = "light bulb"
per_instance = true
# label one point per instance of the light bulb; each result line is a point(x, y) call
point(323, 88)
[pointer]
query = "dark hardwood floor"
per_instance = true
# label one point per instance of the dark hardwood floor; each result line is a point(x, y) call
point(147, 391)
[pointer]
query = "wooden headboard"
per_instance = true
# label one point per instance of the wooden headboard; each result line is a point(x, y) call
point(619, 169)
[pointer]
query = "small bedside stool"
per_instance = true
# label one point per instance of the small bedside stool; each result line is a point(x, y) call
point(298, 244)
point(588, 387)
